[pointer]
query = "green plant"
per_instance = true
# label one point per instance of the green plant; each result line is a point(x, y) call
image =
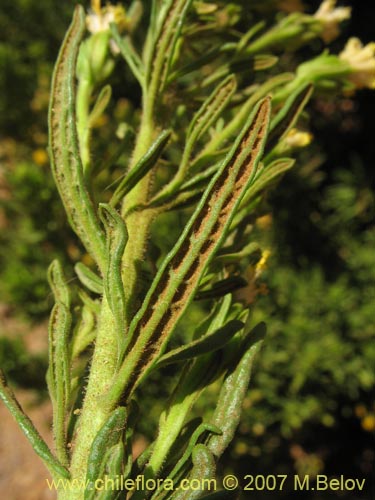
point(212, 137)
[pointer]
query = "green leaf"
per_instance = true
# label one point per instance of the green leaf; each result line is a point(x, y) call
point(100, 105)
point(88, 278)
point(244, 40)
point(168, 27)
point(194, 377)
point(179, 276)
point(117, 237)
point(200, 180)
point(228, 409)
point(207, 114)
point(39, 445)
point(211, 109)
point(145, 164)
point(196, 64)
point(264, 61)
point(109, 435)
point(227, 257)
point(57, 282)
point(219, 140)
point(84, 332)
point(220, 288)
point(204, 467)
point(288, 115)
point(129, 54)
point(113, 471)
point(268, 175)
point(201, 430)
point(204, 345)
point(58, 374)
point(64, 148)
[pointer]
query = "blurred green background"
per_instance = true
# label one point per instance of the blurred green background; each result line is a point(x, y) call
point(310, 407)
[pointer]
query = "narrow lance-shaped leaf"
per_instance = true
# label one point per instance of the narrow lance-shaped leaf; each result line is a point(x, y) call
point(39, 445)
point(113, 471)
point(100, 105)
point(129, 54)
point(267, 176)
point(193, 380)
point(64, 148)
point(132, 422)
point(196, 64)
point(207, 114)
point(57, 282)
point(244, 40)
point(117, 237)
point(174, 285)
point(230, 130)
point(228, 256)
point(84, 332)
point(211, 108)
point(58, 375)
point(109, 435)
point(194, 377)
point(209, 343)
point(288, 115)
point(200, 178)
point(144, 165)
point(201, 430)
point(204, 467)
point(88, 278)
point(170, 21)
point(240, 64)
point(221, 288)
point(229, 406)
point(92, 304)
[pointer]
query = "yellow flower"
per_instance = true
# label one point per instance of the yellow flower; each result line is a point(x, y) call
point(264, 222)
point(100, 18)
point(361, 59)
point(262, 263)
point(297, 139)
point(40, 156)
point(368, 423)
point(330, 17)
point(248, 294)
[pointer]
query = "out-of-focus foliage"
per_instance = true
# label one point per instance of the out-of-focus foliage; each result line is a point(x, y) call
point(320, 349)
point(32, 232)
point(31, 218)
point(316, 373)
point(29, 39)
point(21, 366)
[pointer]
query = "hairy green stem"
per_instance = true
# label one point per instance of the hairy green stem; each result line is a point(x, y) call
point(95, 411)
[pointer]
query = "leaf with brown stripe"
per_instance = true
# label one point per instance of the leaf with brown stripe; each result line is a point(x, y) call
point(177, 280)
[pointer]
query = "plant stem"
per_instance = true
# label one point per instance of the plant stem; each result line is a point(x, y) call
point(95, 411)
point(137, 222)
